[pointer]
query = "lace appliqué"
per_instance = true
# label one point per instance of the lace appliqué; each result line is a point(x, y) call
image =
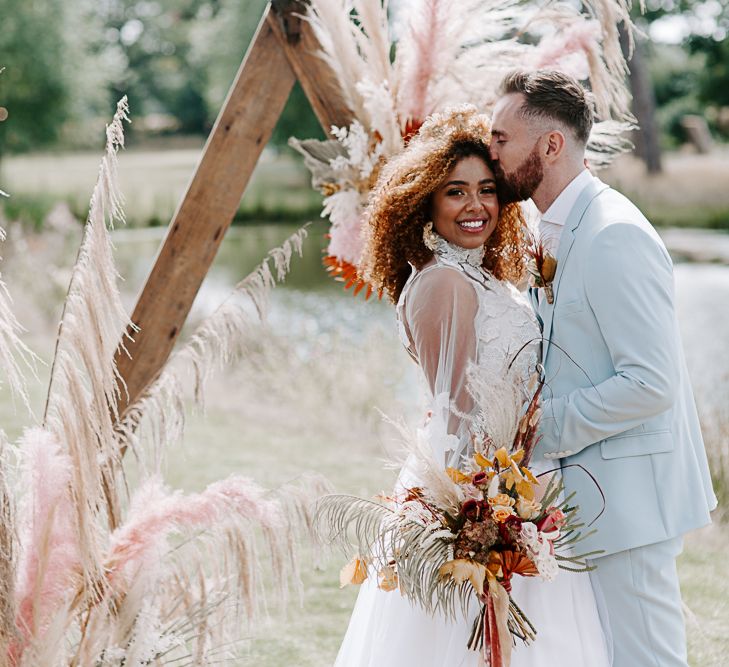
point(508, 348)
point(507, 353)
point(454, 255)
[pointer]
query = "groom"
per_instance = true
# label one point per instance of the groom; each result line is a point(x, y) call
point(617, 395)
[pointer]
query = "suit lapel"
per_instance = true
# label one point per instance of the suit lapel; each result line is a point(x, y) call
point(565, 246)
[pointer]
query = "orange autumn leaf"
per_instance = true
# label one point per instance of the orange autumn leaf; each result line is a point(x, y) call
point(354, 572)
point(347, 273)
point(482, 461)
point(457, 476)
point(502, 456)
point(525, 489)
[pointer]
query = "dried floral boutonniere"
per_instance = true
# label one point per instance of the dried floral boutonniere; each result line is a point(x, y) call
point(542, 267)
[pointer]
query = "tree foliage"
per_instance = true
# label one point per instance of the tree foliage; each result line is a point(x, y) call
point(67, 62)
point(33, 85)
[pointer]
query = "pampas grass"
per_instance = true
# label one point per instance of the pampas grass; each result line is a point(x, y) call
point(215, 343)
point(95, 570)
point(449, 53)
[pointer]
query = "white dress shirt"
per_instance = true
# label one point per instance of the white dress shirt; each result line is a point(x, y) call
point(553, 219)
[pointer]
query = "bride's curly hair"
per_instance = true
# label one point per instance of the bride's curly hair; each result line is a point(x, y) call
point(399, 205)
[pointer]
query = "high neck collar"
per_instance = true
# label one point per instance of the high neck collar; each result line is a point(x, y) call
point(455, 254)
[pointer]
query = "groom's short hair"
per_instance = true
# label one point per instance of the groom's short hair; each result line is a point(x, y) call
point(554, 95)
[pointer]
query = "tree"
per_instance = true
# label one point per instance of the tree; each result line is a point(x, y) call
point(57, 73)
point(647, 140)
point(160, 74)
point(220, 41)
point(34, 86)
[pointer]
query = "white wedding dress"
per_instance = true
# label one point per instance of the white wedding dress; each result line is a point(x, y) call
point(457, 320)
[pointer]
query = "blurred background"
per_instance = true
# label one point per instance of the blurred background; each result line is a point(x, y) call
point(67, 63)
point(306, 396)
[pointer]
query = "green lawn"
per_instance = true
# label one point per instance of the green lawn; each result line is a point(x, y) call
point(153, 182)
point(307, 400)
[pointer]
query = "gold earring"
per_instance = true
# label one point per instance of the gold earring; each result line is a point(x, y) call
point(430, 238)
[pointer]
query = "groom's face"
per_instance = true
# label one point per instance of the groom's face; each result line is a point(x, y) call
point(518, 165)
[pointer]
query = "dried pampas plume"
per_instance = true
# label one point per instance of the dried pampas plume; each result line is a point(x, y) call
point(84, 383)
point(14, 353)
point(216, 342)
point(173, 578)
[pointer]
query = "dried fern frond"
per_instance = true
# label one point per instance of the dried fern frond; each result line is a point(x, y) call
point(380, 535)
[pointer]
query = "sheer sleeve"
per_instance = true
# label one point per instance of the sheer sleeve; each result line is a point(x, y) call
point(440, 313)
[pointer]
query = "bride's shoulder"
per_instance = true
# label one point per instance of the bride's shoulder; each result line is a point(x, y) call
point(441, 279)
point(438, 289)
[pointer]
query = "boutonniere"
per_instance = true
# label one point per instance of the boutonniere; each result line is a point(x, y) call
point(542, 267)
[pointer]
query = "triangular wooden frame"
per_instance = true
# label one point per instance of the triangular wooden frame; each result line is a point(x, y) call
point(283, 49)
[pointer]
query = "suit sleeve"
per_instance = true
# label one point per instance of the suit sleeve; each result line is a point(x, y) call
point(629, 286)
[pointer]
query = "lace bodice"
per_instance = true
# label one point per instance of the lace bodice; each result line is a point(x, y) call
point(476, 340)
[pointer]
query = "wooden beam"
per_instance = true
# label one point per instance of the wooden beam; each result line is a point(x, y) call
point(302, 50)
point(243, 127)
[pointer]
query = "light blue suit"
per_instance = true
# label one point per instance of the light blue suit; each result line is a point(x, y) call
point(618, 402)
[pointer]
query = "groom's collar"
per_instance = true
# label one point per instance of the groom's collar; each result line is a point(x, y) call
point(561, 207)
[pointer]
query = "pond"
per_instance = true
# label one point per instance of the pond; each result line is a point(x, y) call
point(313, 304)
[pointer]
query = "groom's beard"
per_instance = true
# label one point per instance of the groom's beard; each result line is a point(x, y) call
point(521, 183)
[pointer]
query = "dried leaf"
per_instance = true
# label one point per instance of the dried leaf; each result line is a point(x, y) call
point(388, 578)
point(354, 572)
point(461, 570)
point(502, 456)
point(457, 476)
point(482, 461)
point(549, 268)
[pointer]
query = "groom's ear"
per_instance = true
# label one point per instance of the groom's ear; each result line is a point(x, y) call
point(555, 145)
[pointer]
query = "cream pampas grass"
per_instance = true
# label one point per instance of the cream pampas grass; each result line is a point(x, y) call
point(84, 388)
point(216, 343)
point(95, 570)
point(14, 353)
point(8, 542)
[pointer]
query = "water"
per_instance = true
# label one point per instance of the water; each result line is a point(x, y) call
point(312, 304)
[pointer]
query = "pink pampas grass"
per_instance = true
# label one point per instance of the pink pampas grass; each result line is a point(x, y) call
point(156, 513)
point(570, 49)
point(49, 565)
point(423, 53)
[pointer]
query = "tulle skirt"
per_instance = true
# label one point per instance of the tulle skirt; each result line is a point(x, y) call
point(386, 630)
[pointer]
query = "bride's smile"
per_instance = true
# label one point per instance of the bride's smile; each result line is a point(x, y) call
point(465, 207)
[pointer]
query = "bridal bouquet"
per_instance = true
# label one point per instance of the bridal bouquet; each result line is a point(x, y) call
point(457, 539)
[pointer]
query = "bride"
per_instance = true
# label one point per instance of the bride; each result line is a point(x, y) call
point(449, 256)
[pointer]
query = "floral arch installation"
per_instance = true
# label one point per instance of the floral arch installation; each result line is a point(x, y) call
point(343, 56)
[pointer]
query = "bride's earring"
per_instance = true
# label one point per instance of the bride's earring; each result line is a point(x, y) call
point(430, 238)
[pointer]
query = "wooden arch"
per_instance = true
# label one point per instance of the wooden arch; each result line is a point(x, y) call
point(283, 49)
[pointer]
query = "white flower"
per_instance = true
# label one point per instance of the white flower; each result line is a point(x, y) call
point(493, 489)
point(539, 549)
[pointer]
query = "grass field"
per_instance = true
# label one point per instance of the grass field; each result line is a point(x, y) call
point(153, 182)
point(308, 399)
